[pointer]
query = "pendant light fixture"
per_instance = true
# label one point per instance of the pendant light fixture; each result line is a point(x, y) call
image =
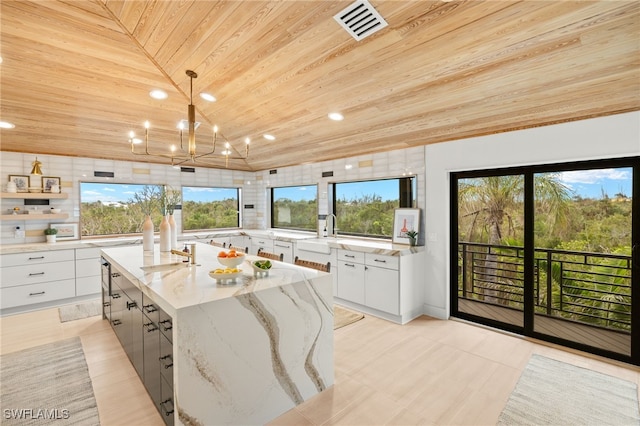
point(189, 152)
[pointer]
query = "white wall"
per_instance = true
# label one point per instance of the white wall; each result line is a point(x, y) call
point(605, 137)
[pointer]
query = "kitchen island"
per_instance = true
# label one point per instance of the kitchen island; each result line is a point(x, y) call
point(244, 351)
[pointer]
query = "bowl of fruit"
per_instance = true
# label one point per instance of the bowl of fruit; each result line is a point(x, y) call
point(261, 267)
point(225, 274)
point(230, 258)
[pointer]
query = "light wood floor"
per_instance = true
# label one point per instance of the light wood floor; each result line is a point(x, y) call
point(428, 372)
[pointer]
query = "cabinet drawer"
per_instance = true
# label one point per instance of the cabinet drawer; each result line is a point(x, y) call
point(88, 253)
point(351, 256)
point(31, 274)
point(382, 261)
point(20, 259)
point(37, 293)
point(87, 285)
point(265, 244)
point(88, 267)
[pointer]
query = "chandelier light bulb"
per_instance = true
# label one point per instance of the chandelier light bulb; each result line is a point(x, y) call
point(146, 124)
point(247, 141)
point(131, 134)
point(215, 129)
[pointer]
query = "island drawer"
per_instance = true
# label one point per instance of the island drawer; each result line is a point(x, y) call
point(32, 258)
point(37, 293)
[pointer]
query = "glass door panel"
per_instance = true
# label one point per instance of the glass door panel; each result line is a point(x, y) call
point(491, 248)
point(582, 257)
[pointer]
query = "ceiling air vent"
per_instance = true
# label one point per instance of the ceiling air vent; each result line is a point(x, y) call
point(360, 20)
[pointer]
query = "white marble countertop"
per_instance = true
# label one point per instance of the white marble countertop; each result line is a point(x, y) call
point(184, 285)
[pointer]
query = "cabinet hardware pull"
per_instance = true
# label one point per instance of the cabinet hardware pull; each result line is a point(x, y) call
point(280, 245)
point(164, 325)
point(116, 322)
point(168, 366)
point(115, 296)
point(115, 275)
point(37, 273)
point(149, 308)
point(350, 265)
point(131, 305)
point(349, 256)
point(106, 304)
point(380, 260)
point(167, 413)
point(36, 294)
point(150, 329)
point(36, 258)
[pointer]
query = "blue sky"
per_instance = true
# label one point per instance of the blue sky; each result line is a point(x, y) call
point(591, 183)
point(118, 193)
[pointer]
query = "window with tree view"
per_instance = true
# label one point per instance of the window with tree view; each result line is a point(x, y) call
point(116, 208)
point(295, 207)
point(210, 208)
point(366, 208)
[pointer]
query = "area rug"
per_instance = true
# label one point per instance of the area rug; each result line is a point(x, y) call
point(342, 317)
point(47, 384)
point(87, 309)
point(551, 392)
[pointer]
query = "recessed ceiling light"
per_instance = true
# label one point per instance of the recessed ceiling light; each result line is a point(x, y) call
point(269, 137)
point(158, 94)
point(208, 97)
point(336, 116)
point(6, 125)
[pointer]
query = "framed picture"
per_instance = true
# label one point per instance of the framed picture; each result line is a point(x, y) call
point(66, 231)
point(48, 182)
point(22, 182)
point(405, 220)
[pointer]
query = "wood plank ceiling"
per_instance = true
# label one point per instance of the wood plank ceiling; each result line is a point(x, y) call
point(76, 74)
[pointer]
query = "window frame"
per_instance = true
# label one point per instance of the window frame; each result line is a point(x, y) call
point(411, 198)
point(272, 207)
point(239, 209)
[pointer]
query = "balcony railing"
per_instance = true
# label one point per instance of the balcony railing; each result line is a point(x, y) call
point(590, 288)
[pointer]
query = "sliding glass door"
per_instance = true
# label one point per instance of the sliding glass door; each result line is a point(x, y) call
point(547, 251)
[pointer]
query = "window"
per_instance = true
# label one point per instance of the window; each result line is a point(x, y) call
point(366, 208)
point(112, 209)
point(210, 208)
point(295, 207)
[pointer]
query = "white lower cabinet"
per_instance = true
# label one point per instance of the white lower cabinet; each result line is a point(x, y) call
point(261, 243)
point(351, 278)
point(284, 247)
point(36, 277)
point(382, 285)
point(87, 271)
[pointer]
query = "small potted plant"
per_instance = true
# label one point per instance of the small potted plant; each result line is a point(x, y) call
point(51, 233)
point(413, 237)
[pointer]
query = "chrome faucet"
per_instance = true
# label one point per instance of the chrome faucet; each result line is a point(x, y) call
point(334, 221)
point(191, 255)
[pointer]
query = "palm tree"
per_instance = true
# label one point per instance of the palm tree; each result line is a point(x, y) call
point(495, 206)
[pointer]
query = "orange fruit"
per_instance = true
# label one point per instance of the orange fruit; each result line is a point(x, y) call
point(222, 254)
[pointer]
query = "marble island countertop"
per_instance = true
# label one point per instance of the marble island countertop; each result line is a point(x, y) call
point(176, 285)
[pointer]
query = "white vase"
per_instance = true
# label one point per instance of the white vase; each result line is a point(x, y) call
point(174, 232)
point(165, 235)
point(147, 234)
point(51, 238)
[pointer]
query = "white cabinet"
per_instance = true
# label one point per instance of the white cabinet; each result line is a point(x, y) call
point(284, 247)
point(87, 271)
point(36, 277)
point(261, 243)
point(381, 285)
point(240, 241)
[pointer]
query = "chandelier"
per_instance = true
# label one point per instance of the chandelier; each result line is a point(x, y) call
point(184, 154)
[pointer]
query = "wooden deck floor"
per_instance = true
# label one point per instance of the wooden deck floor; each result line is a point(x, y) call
point(584, 334)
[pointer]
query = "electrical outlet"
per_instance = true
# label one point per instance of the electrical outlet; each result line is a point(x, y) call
point(18, 233)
